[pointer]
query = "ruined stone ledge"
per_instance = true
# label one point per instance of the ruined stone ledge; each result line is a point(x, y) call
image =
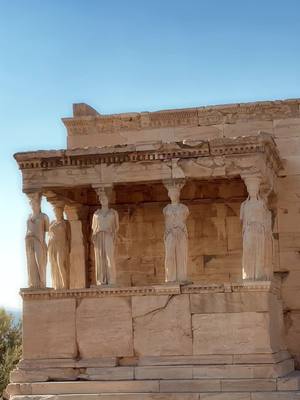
point(87, 120)
point(150, 152)
point(164, 289)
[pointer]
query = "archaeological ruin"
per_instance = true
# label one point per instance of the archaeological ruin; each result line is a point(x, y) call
point(174, 257)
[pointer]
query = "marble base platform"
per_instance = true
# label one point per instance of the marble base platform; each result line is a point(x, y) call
point(155, 342)
point(287, 388)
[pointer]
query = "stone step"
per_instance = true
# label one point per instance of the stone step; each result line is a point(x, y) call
point(289, 382)
point(145, 386)
point(217, 371)
point(285, 388)
point(234, 371)
point(169, 396)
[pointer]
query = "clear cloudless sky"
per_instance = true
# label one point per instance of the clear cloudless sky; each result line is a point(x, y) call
point(126, 55)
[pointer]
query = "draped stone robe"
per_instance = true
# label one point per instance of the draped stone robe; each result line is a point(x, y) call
point(257, 240)
point(36, 250)
point(105, 225)
point(176, 242)
point(59, 250)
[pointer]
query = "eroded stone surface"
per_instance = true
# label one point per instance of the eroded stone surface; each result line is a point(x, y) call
point(50, 329)
point(158, 319)
point(104, 327)
point(238, 335)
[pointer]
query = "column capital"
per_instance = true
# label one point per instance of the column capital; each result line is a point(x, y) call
point(104, 190)
point(174, 183)
point(54, 199)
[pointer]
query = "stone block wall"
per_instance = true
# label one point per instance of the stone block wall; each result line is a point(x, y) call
point(112, 323)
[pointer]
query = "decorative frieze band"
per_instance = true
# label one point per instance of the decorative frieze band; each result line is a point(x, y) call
point(165, 289)
point(85, 123)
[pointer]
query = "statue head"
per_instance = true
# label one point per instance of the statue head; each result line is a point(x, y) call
point(35, 202)
point(253, 186)
point(102, 196)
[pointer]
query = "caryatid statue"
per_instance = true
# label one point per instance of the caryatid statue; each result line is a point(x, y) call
point(176, 235)
point(105, 226)
point(36, 247)
point(257, 233)
point(59, 248)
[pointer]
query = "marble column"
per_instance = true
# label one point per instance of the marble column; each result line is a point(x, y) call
point(257, 233)
point(76, 214)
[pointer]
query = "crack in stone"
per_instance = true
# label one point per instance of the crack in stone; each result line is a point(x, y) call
point(156, 310)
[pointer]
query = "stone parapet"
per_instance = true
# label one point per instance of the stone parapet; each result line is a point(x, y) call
point(155, 321)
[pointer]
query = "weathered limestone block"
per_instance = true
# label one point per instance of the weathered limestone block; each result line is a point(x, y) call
point(185, 360)
point(198, 132)
point(104, 327)
point(227, 333)
point(193, 385)
point(251, 385)
point(108, 374)
point(289, 147)
point(226, 396)
point(233, 302)
point(288, 127)
point(49, 329)
point(162, 325)
point(292, 326)
point(247, 128)
point(44, 374)
point(164, 372)
point(84, 387)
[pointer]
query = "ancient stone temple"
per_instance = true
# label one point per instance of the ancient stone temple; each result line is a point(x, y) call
point(174, 257)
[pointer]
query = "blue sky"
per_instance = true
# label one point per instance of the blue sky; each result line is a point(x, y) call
point(123, 56)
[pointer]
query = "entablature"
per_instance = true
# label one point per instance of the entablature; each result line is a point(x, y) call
point(222, 157)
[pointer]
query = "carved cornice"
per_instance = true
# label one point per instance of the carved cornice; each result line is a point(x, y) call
point(255, 286)
point(99, 291)
point(89, 157)
point(85, 122)
point(157, 290)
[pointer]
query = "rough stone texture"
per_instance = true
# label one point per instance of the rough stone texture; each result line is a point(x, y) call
point(50, 329)
point(158, 319)
point(104, 327)
point(206, 303)
point(238, 335)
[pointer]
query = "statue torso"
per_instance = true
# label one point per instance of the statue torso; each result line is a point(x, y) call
point(58, 231)
point(175, 217)
point(104, 221)
point(36, 227)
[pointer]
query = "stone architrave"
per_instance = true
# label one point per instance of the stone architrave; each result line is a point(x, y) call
point(59, 248)
point(36, 247)
point(257, 233)
point(176, 235)
point(77, 249)
point(105, 226)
